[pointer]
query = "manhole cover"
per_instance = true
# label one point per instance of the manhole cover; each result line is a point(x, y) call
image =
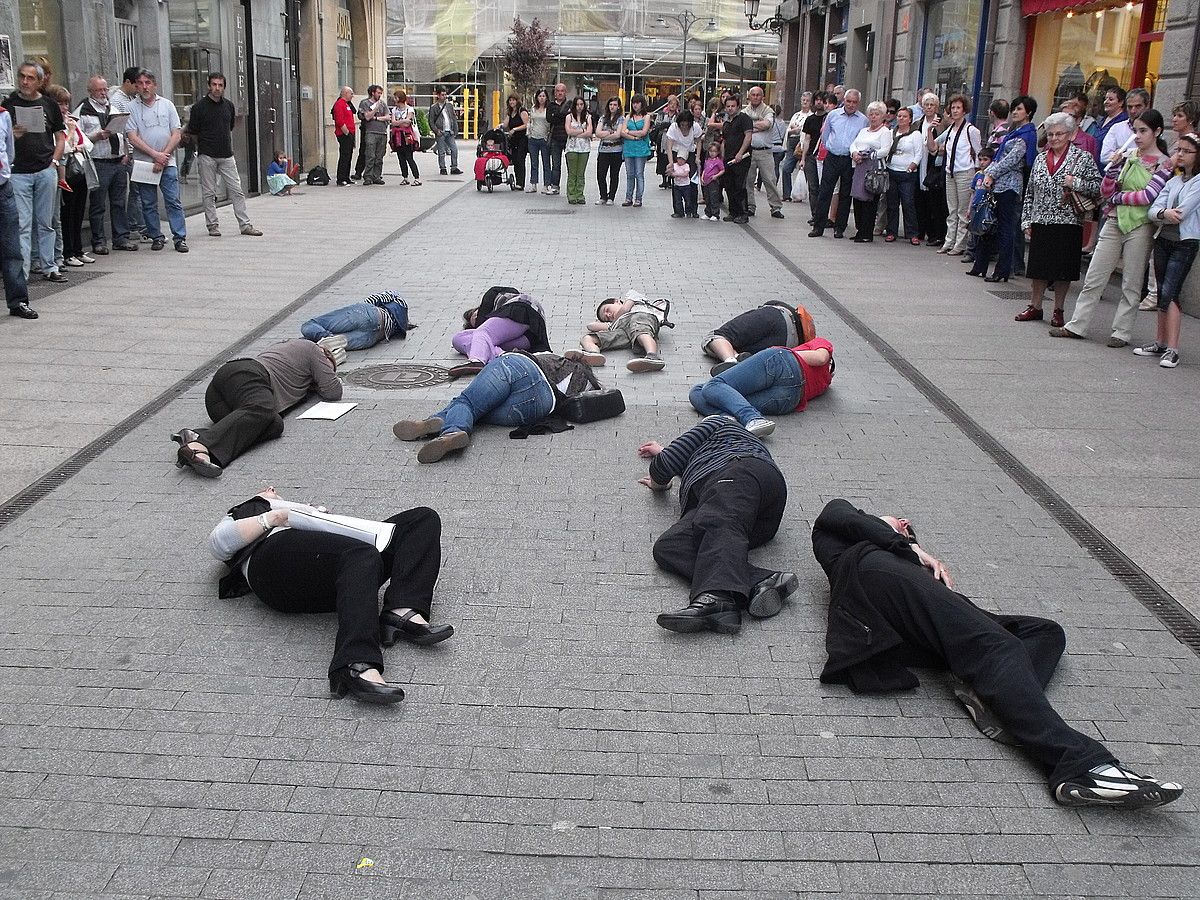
point(394, 377)
point(550, 212)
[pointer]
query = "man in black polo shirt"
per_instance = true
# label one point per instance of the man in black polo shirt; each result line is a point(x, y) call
point(40, 140)
point(736, 135)
point(811, 136)
point(211, 122)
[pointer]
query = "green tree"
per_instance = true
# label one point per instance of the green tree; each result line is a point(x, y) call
point(527, 56)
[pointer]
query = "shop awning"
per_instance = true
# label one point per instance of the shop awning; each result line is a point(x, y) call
point(1038, 7)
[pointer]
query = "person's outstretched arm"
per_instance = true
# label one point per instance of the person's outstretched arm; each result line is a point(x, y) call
point(673, 459)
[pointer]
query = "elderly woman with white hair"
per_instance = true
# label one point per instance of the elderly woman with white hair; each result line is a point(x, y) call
point(1053, 225)
point(931, 196)
point(869, 150)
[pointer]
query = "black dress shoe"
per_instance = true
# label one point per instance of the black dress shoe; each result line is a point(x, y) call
point(839, 234)
point(454, 170)
point(769, 595)
point(393, 627)
point(816, 232)
point(975, 274)
point(349, 680)
point(205, 468)
point(22, 311)
point(992, 279)
point(708, 612)
point(466, 369)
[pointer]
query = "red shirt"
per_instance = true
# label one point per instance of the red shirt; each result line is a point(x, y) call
point(343, 114)
point(816, 378)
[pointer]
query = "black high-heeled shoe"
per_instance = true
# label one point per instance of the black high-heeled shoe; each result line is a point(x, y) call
point(393, 626)
point(992, 279)
point(975, 274)
point(349, 680)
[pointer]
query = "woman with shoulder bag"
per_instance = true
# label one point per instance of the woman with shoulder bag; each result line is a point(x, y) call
point(904, 163)
point(1052, 222)
point(869, 150)
point(959, 143)
point(78, 176)
point(1132, 182)
point(931, 198)
point(406, 138)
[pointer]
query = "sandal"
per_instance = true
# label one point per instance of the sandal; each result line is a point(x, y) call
point(189, 456)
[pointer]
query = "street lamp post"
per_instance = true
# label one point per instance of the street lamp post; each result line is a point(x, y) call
point(685, 20)
point(775, 24)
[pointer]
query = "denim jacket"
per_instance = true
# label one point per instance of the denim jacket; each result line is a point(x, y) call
point(1186, 196)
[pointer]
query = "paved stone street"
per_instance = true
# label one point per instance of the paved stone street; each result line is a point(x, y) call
point(159, 742)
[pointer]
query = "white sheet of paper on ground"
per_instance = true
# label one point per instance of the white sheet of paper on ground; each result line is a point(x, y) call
point(365, 530)
point(143, 173)
point(328, 411)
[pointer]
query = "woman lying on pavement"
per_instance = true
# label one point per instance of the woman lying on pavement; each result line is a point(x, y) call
point(772, 382)
point(774, 324)
point(294, 569)
point(505, 320)
point(358, 326)
point(893, 606)
point(513, 389)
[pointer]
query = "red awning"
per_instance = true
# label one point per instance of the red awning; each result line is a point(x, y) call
point(1038, 7)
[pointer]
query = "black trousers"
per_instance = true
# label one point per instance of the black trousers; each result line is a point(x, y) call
point(813, 179)
point(345, 155)
point(360, 164)
point(74, 211)
point(733, 180)
point(837, 175)
point(608, 174)
point(732, 511)
point(1007, 660)
point(931, 214)
point(316, 572)
point(865, 213)
point(241, 404)
point(755, 329)
point(408, 162)
point(518, 151)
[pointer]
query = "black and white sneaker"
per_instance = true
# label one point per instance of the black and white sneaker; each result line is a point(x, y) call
point(985, 720)
point(1154, 348)
point(1170, 359)
point(1116, 786)
point(769, 595)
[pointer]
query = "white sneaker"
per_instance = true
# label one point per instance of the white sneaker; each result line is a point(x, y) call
point(714, 218)
point(601, 202)
point(1170, 359)
point(761, 427)
point(531, 188)
point(87, 258)
point(74, 262)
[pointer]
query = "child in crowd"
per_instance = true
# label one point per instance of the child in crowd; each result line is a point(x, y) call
point(279, 181)
point(631, 322)
point(710, 178)
point(975, 243)
point(683, 192)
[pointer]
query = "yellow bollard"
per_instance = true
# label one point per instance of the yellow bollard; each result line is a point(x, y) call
point(495, 108)
point(624, 99)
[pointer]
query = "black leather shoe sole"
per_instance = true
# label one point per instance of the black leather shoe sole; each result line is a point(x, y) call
point(727, 622)
point(771, 593)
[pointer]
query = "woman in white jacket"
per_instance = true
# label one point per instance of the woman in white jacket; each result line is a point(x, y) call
point(1177, 211)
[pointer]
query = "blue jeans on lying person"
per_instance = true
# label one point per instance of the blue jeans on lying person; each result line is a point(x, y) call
point(510, 390)
point(769, 383)
point(361, 323)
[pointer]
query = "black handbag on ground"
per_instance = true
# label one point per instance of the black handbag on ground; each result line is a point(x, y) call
point(592, 406)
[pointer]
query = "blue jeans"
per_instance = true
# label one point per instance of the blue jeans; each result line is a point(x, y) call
point(770, 383)
point(635, 177)
point(445, 143)
point(113, 192)
point(789, 165)
point(511, 390)
point(556, 157)
point(36, 195)
point(133, 205)
point(359, 322)
point(12, 264)
point(1172, 263)
point(902, 194)
point(148, 194)
point(539, 149)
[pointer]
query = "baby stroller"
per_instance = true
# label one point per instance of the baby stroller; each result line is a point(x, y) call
point(492, 163)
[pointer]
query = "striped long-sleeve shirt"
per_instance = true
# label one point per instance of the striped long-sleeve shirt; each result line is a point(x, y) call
point(702, 450)
point(1110, 187)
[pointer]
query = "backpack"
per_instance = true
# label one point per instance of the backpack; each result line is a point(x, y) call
point(318, 175)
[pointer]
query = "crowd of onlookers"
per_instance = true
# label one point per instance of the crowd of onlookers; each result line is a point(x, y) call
point(106, 160)
point(1002, 193)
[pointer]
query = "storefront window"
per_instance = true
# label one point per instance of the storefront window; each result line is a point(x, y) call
point(196, 46)
point(345, 47)
point(42, 33)
point(950, 47)
point(1087, 51)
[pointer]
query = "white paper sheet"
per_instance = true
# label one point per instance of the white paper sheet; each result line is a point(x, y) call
point(327, 411)
point(116, 125)
point(143, 173)
point(31, 118)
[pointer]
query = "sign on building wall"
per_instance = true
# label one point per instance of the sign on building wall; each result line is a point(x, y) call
point(240, 70)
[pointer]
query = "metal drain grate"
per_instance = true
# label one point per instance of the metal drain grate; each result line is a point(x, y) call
point(23, 501)
point(40, 289)
point(1010, 295)
point(396, 377)
point(550, 212)
point(1153, 596)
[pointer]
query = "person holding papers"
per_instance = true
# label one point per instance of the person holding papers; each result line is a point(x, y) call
point(154, 131)
point(245, 399)
point(300, 559)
